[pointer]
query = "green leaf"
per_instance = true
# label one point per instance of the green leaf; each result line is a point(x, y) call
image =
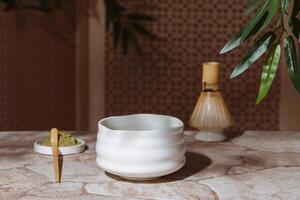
point(140, 17)
point(291, 61)
point(5, 1)
point(272, 11)
point(117, 30)
point(144, 31)
point(125, 40)
point(269, 72)
point(58, 3)
point(133, 39)
point(237, 38)
point(127, 25)
point(258, 49)
point(296, 8)
point(9, 5)
point(233, 43)
point(36, 8)
point(129, 38)
point(114, 12)
point(294, 22)
point(254, 21)
point(44, 5)
point(284, 5)
point(253, 5)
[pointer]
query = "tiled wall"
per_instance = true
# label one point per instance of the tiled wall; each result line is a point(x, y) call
point(37, 71)
point(168, 81)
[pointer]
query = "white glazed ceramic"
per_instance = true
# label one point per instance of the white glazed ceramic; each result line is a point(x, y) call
point(211, 136)
point(141, 146)
point(62, 150)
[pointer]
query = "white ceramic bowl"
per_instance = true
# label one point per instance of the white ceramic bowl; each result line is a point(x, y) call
point(141, 146)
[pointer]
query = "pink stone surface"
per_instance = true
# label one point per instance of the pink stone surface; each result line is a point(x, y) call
point(256, 165)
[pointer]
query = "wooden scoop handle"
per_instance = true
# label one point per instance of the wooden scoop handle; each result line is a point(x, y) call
point(54, 143)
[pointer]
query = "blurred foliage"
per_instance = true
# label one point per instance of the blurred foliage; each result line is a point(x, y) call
point(46, 6)
point(127, 25)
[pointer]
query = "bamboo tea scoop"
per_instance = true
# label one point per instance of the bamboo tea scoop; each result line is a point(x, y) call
point(54, 143)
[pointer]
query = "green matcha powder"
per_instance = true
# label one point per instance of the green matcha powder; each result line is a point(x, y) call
point(64, 140)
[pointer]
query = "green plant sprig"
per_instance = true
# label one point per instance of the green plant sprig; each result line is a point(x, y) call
point(266, 12)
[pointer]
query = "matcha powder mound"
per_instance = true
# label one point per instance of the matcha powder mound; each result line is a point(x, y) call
point(64, 139)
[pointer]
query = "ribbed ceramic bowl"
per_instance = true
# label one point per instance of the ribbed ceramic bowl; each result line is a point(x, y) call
point(141, 146)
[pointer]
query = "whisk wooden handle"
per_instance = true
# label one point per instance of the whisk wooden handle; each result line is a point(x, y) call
point(210, 72)
point(54, 144)
point(210, 76)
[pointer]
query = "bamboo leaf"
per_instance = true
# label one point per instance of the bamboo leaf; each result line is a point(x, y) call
point(9, 5)
point(58, 3)
point(125, 40)
point(284, 5)
point(233, 43)
point(133, 39)
point(44, 5)
point(129, 38)
point(5, 1)
point(294, 22)
point(37, 8)
point(117, 29)
point(237, 38)
point(144, 31)
point(274, 5)
point(114, 12)
point(254, 21)
point(140, 17)
point(258, 49)
point(269, 72)
point(291, 61)
point(253, 5)
point(296, 8)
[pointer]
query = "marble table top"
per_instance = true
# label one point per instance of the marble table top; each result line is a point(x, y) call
point(256, 165)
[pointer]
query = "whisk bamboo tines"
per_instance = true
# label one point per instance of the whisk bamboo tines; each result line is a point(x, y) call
point(210, 114)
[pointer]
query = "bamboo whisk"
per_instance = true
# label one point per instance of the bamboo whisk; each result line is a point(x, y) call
point(211, 113)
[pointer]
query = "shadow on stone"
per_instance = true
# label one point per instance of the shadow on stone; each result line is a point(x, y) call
point(231, 134)
point(115, 177)
point(60, 164)
point(153, 181)
point(195, 163)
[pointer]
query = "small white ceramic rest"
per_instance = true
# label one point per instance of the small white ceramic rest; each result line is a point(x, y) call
point(62, 150)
